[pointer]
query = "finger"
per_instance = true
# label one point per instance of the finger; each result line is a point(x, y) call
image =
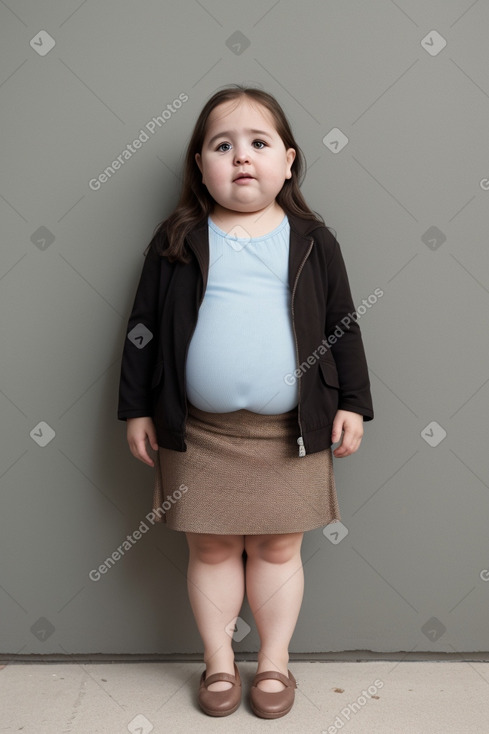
point(144, 456)
point(349, 444)
point(336, 432)
point(347, 447)
point(153, 441)
point(141, 453)
point(339, 451)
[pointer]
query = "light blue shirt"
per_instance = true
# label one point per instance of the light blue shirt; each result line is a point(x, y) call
point(243, 344)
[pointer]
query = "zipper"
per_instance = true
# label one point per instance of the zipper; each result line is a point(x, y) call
point(300, 440)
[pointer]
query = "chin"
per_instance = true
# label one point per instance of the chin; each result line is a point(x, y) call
point(239, 206)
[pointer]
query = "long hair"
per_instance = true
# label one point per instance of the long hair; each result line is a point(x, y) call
point(195, 203)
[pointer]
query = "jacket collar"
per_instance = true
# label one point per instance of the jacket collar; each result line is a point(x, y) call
point(300, 239)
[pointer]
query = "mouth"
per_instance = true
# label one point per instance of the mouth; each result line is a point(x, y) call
point(243, 176)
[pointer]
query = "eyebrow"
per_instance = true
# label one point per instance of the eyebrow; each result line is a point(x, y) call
point(228, 134)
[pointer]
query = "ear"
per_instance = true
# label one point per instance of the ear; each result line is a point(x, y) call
point(198, 160)
point(290, 157)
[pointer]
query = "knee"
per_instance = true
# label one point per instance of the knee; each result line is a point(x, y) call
point(213, 549)
point(274, 548)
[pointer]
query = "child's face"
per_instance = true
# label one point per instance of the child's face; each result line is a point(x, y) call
point(242, 139)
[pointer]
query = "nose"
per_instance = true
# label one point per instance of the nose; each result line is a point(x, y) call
point(241, 155)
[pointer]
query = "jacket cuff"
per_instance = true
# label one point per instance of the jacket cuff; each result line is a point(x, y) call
point(123, 415)
point(367, 414)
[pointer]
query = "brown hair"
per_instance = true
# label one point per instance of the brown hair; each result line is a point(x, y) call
point(195, 203)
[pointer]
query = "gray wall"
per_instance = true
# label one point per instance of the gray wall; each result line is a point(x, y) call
point(408, 198)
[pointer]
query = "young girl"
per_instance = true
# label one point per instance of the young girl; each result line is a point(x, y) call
point(243, 364)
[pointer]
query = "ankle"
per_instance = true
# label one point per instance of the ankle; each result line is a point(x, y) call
point(219, 661)
point(273, 660)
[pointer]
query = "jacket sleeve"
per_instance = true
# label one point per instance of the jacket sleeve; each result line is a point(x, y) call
point(140, 345)
point(343, 334)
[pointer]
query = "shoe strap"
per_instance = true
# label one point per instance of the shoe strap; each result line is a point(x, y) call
point(220, 676)
point(290, 682)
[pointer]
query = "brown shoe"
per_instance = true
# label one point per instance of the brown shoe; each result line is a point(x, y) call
point(220, 703)
point(272, 705)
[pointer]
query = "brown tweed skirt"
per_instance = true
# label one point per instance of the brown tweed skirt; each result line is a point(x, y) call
point(242, 475)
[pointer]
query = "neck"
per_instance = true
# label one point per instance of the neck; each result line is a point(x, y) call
point(254, 223)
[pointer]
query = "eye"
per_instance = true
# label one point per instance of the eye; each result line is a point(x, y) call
point(221, 146)
point(260, 143)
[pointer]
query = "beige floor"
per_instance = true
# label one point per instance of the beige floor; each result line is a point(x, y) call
point(374, 697)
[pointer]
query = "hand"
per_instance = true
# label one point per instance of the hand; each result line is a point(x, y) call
point(138, 430)
point(352, 425)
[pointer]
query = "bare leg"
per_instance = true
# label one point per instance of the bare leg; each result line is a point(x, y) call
point(275, 588)
point(215, 582)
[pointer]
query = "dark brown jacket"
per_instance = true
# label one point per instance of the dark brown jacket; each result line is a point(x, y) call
point(331, 371)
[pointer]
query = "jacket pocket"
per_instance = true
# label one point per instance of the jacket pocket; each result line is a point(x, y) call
point(157, 375)
point(329, 373)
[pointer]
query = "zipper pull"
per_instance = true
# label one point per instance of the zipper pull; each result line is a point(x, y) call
point(302, 450)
